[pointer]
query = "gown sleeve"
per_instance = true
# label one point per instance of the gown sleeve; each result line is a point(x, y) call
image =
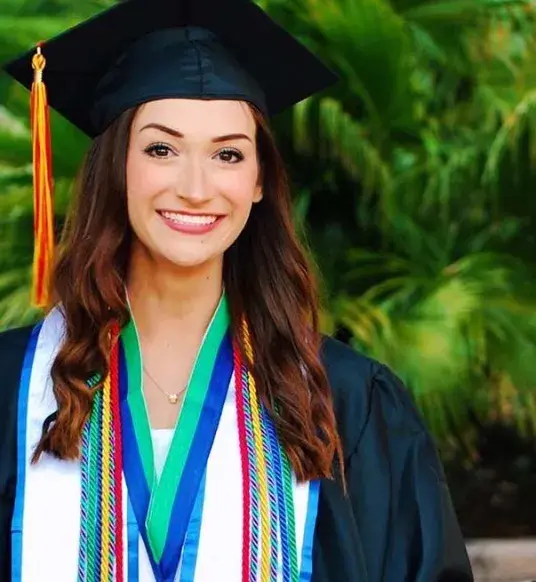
point(12, 349)
point(399, 496)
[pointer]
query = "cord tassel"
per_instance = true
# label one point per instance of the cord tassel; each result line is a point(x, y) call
point(42, 181)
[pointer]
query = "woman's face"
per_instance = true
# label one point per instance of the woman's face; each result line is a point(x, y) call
point(192, 178)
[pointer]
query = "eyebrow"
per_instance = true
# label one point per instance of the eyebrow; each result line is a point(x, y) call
point(178, 134)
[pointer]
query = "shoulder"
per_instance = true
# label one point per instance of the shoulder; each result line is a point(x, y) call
point(13, 344)
point(14, 341)
point(15, 334)
point(366, 393)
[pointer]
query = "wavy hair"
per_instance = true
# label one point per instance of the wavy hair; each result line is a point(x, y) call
point(267, 279)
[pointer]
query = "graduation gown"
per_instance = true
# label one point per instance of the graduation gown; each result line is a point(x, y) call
point(395, 524)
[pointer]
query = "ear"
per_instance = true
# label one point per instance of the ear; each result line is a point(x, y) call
point(257, 196)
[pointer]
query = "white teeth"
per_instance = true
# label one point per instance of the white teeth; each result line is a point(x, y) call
point(188, 218)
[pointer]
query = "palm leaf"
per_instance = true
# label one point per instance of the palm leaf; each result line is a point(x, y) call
point(340, 138)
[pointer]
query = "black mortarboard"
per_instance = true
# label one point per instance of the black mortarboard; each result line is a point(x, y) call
point(142, 50)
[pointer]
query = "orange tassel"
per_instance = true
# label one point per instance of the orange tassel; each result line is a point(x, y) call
point(42, 180)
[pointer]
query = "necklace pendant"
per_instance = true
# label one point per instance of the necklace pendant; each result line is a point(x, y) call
point(173, 398)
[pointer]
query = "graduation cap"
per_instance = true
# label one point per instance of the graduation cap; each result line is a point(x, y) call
point(142, 50)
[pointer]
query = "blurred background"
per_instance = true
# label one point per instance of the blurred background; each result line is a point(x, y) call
point(414, 188)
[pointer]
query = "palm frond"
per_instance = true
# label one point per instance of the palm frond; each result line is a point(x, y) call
point(18, 34)
point(508, 136)
point(15, 308)
point(338, 137)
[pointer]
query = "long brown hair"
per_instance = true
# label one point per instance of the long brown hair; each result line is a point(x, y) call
point(267, 280)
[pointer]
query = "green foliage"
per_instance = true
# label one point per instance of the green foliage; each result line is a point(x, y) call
point(430, 135)
point(415, 182)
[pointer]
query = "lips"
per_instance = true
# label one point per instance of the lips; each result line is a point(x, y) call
point(190, 219)
point(194, 224)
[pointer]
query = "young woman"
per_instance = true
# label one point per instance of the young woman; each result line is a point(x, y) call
point(176, 416)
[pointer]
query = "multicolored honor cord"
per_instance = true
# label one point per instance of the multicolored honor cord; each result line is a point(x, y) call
point(101, 500)
point(269, 530)
point(268, 486)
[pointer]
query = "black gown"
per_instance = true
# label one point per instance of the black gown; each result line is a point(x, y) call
point(396, 523)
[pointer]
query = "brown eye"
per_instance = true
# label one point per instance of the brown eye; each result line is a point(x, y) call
point(158, 150)
point(230, 156)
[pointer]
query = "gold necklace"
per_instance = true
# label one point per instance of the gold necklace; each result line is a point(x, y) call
point(172, 398)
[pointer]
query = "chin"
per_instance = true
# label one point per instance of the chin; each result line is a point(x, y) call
point(168, 253)
point(185, 260)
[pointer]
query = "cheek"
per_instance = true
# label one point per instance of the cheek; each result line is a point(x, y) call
point(241, 190)
point(142, 179)
point(137, 178)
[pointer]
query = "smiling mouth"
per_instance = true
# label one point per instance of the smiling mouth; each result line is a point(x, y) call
point(190, 219)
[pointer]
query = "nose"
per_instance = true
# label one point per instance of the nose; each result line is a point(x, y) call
point(193, 184)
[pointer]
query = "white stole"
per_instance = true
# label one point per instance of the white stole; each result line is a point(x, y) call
point(46, 521)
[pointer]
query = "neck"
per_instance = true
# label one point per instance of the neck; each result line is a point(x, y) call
point(166, 300)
